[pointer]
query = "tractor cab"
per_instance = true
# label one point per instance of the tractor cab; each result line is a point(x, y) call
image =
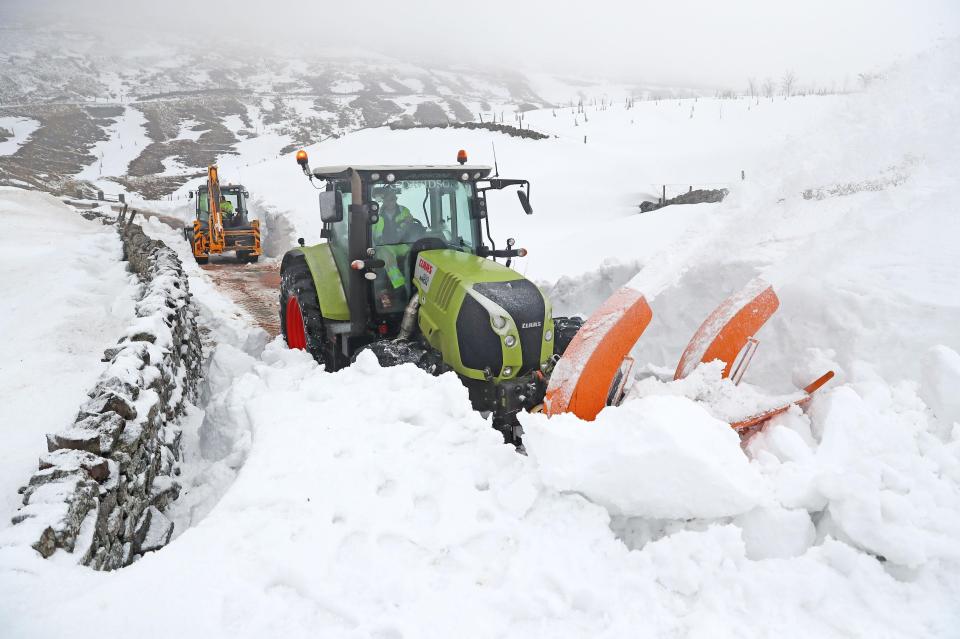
point(377, 219)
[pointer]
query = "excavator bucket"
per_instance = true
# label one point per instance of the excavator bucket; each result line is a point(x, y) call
point(729, 327)
point(581, 381)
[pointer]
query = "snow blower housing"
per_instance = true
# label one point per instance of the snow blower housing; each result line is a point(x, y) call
point(407, 273)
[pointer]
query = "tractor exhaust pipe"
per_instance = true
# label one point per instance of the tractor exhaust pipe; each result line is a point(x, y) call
point(409, 322)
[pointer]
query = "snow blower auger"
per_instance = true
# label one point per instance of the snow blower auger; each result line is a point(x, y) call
point(222, 223)
point(583, 381)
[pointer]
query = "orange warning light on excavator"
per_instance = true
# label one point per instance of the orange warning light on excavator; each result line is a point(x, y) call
point(462, 156)
point(301, 157)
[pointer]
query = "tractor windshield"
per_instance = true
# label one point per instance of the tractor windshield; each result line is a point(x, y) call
point(412, 209)
point(436, 208)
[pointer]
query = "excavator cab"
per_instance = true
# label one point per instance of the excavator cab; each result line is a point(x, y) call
point(235, 195)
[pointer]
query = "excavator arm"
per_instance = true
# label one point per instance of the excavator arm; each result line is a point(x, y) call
point(215, 225)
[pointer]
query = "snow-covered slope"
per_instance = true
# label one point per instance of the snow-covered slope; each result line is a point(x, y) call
point(373, 502)
point(66, 295)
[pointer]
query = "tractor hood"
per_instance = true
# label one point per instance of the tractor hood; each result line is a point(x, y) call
point(486, 319)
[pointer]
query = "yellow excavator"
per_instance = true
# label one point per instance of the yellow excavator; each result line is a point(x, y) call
point(222, 222)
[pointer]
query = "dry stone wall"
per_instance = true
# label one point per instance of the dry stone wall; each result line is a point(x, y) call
point(102, 487)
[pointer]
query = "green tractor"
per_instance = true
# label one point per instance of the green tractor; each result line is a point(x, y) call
point(406, 273)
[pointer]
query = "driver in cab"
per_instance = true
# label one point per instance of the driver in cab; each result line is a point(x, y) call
point(396, 226)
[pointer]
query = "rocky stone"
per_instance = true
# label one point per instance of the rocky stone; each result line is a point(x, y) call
point(697, 196)
point(63, 459)
point(94, 433)
point(107, 401)
point(116, 385)
point(159, 531)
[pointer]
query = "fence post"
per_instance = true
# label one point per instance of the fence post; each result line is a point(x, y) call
point(664, 200)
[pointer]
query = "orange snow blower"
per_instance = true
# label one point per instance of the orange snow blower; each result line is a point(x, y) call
point(583, 380)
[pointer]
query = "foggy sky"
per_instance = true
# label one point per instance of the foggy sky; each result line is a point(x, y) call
point(680, 42)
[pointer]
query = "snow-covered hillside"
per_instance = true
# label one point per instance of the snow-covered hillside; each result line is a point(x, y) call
point(374, 502)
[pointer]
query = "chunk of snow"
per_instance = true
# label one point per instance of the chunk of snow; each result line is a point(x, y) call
point(661, 457)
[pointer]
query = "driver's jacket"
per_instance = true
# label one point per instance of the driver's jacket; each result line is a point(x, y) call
point(400, 218)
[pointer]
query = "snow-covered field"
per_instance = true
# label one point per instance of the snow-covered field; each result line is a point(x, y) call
point(374, 502)
point(66, 297)
point(21, 128)
point(126, 139)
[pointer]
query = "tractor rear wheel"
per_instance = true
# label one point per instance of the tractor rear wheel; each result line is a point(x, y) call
point(301, 321)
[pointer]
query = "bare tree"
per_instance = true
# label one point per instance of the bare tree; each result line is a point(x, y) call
point(768, 87)
point(787, 82)
point(752, 87)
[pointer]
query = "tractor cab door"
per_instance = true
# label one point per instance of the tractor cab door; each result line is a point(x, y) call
point(339, 238)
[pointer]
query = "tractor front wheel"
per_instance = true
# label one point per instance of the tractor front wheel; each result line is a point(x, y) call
point(301, 321)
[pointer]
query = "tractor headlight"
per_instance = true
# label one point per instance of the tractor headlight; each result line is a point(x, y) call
point(548, 335)
point(507, 371)
point(510, 341)
point(498, 321)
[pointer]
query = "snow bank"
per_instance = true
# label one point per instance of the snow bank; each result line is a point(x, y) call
point(66, 295)
point(101, 491)
point(376, 502)
point(657, 457)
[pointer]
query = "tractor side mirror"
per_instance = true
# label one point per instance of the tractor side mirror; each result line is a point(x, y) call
point(246, 194)
point(525, 202)
point(190, 195)
point(331, 206)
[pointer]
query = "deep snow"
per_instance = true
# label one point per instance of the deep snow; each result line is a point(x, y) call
point(374, 502)
point(66, 297)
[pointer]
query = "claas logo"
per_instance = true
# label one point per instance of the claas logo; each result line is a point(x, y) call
point(426, 266)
